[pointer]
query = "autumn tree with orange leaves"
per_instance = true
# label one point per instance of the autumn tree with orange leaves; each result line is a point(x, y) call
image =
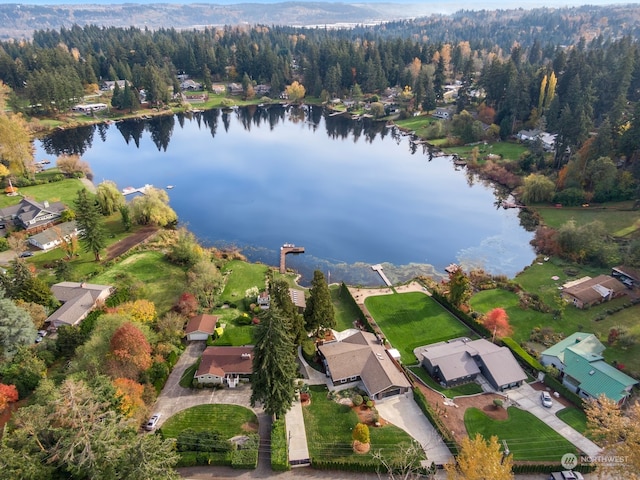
point(497, 321)
point(129, 352)
point(8, 394)
point(129, 392)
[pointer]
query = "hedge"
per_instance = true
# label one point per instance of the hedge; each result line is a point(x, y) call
point(447, 437)
point(522, 354)
point(556, 386)
point(246, 456)
point(192, 459)
point(345, 293)
point(462, 316)
point(346, 466)
point(279, 450)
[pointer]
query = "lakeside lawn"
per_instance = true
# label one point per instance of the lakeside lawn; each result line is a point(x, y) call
point(329, 428)
point(346, 311)
point(528, 437)
point(229, 420)
point(616, 216)
point(65, 191)
point(241, 276)
point(507, 150)
point(163, 282)
point(412, 319)
point(417, 124)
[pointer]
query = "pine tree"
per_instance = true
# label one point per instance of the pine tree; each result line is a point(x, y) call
point(89, 220)
point(274, 364)
point(282, 300)
point(319, 312)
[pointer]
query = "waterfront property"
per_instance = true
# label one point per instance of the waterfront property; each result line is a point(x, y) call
point(584, 371)
point(362, 359)
point(225, 365)
point(33, 215)
point(461, 361)
point(586, 291)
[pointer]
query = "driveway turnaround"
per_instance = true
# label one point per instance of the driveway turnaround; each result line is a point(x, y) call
point(528, 399)
point(404, 413)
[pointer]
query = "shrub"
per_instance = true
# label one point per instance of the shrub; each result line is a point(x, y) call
point(369, 404)
point(357, 400)
point(279, 451)
point(361, 433)
point(247, 455)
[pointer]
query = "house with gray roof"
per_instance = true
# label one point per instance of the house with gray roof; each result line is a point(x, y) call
point(584, 371)
point(361, 359)
point(461, 360)
point(54, 236)
point(78, 300)
point(33, 215)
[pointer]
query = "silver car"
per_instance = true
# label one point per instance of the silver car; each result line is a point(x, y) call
point(545, 398)
point(153, 421)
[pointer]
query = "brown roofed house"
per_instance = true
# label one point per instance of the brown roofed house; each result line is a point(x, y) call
point(361, 357)
point(200, 327)
point(225, 365)
point(588, 291)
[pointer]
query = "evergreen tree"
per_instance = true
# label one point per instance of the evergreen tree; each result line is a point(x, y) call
point(282, 300)
point(274, 364)
point(88, 217)
point(319, 312)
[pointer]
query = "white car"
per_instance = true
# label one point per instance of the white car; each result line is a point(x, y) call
point(153, 421)
point(545, 398)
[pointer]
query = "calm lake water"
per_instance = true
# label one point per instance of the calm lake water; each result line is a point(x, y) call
point(353, 193)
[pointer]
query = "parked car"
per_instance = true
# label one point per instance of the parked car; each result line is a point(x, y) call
point(545, 398)
point(153, 421)
point(26, 254)
point(566, 475)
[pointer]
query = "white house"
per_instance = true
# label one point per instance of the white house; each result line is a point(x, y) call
point(201, 327)
point(55, 236)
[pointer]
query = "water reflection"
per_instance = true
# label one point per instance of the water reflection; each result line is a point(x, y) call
point(353, 192)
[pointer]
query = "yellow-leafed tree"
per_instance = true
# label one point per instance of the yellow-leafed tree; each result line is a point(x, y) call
point(295, 91)
point(618, 433)
point(480, 459)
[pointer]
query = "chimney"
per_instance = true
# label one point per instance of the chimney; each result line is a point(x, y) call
point(46, 204)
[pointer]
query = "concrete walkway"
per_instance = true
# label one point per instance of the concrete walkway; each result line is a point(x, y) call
point(404, 413)
point(528, 399)
point(296, 435)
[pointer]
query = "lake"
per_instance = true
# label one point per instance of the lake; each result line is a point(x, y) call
point(353, 192)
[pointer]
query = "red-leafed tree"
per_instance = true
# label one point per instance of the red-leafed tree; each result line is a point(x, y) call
point(497, 321)
point(8, 394)
point(130, 352)
point(187, 304)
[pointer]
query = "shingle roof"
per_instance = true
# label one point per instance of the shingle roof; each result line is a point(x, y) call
point(594, 289)
point(202, 323)
point(54, 233)
point(221, 361)
point(597, 377)
point(78, 299)
point(361, 354)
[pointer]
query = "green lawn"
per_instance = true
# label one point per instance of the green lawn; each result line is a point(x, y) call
point(229, 420)
point(234, 335)
point(346, 311)
point(574, 417)
point(508, 150)
point(163, 281)
point(616, 216)
point(329, 424)
point(412, 319)
point(64, 191)
point(241, 276)
point(466, 389)
point(528, 438)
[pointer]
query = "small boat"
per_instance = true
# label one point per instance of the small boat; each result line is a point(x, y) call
point(169, 187)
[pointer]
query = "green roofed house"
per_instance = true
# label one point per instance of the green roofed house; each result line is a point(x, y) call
point(584, 371)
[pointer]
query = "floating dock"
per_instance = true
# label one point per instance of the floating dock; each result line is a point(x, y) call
point(132, 190)
point(378, 268)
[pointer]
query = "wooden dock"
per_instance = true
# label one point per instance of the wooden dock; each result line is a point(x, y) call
point(286, 249)
point(378, 268)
